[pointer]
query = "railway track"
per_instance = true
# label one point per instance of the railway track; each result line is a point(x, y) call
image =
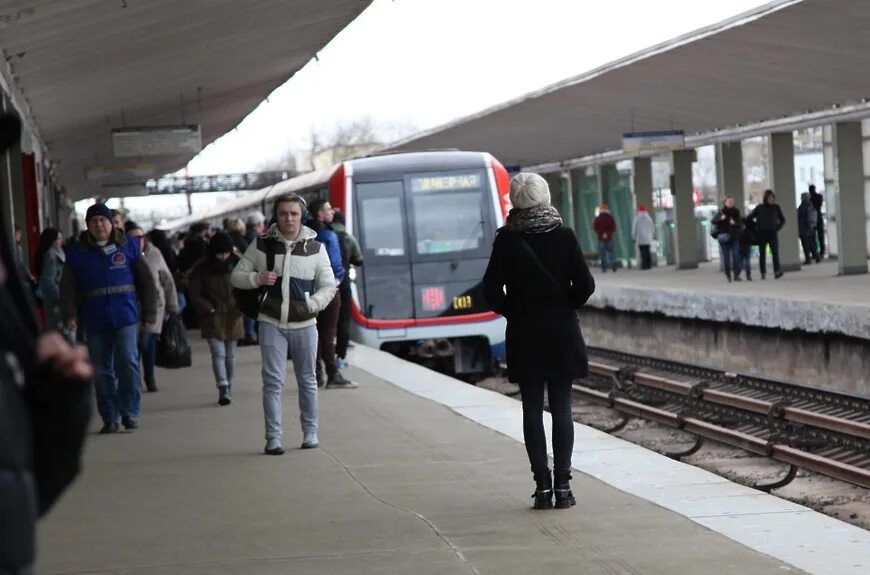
point(803, 427)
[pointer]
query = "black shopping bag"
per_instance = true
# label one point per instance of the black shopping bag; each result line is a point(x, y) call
point(173, 349)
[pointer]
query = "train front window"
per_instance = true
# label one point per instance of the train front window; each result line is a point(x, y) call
point(381, 221)
point(448, 214)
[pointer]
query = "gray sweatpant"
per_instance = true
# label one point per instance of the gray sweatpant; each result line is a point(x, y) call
point(303, 349)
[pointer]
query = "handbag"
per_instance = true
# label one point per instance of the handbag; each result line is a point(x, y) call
point(173, 349)
point(248, 301)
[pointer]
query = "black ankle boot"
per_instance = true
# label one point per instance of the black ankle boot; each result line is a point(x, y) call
point(543, 494)
point(564, 496)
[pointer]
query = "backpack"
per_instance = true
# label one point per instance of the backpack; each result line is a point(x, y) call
point(248, 301)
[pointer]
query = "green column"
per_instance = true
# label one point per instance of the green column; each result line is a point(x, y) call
point(621, 203)
point(585, 187)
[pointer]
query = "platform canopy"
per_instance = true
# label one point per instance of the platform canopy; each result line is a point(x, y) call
point(783, 59)
point(82, 68)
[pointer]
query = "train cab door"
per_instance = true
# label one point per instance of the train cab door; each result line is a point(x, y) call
point(383, 233)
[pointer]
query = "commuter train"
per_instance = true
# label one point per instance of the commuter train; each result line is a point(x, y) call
point(425, 222)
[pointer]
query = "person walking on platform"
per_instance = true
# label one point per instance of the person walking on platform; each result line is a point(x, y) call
point(322, 216)
point(295, 271)
point(537, 278)
point(605, 229)
point(167, 300)
point(768, 220)
point(255, 225)
point(351, 254)
point(50, 259)
point(747, 240)
point(816, 199)
point(808, 219)
point(643, 233)
point(727, 229)
point(104, 283)
point(211, 295)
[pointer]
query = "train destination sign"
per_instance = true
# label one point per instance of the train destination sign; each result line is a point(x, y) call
point(440, 183)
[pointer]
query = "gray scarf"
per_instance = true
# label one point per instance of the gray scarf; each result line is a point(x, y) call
point(536, 220)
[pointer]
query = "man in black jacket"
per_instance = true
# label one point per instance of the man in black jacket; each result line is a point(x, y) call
point(817, 200)
point(768, 220)
point(44, 409)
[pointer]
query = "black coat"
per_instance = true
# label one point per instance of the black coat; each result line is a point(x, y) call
point(42, 427)
point(723, 220)
point(544, 341)
point(768, 217)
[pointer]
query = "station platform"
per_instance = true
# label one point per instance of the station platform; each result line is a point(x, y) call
point(416, 473)
point(814, 299)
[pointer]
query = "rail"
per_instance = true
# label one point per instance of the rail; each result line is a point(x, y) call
point(814, 429)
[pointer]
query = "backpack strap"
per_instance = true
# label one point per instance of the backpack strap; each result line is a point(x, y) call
point(270, 254)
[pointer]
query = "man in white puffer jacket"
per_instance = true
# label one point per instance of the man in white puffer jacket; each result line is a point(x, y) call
point(299, 286)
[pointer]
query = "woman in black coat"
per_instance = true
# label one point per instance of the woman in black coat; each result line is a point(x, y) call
point(537, 278)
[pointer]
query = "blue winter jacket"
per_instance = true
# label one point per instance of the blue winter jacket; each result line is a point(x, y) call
point(328, 238)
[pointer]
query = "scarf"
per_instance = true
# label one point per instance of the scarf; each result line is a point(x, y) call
point(536, 220)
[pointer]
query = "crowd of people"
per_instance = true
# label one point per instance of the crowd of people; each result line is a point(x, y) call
point(112, 288)
point(736, 235)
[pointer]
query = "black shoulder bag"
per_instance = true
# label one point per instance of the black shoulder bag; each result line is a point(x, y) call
point(248, 301)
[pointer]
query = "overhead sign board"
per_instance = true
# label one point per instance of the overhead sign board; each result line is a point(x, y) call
point(646, 142)
point(123, 190)
point(130, 170)
point(157, 141)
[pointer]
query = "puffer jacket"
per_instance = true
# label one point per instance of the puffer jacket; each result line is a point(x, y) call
point(306, 283)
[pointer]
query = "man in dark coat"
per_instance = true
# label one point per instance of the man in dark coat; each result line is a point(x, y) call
point(807, 218)
point(537, 278)
point(768, 219)
point(44, 409)
point(817, 200)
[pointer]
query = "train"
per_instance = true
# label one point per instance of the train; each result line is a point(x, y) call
point(425, 222)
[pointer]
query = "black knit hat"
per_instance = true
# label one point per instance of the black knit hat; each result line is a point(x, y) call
point(98, 210)
point(220, 243)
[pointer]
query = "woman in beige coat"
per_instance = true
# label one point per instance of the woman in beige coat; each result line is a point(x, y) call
point(167, 300)
point(211, 295)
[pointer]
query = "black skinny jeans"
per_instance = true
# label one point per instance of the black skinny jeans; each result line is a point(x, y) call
point(559, 394)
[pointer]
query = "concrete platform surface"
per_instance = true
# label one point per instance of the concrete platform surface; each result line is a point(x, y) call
point(401, 484)
point(814, 299)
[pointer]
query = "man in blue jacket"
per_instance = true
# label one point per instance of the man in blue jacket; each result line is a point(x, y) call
point(104, 282)
point(327, 321)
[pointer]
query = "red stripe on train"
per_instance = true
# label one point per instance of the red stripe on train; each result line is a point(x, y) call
point(397, 323)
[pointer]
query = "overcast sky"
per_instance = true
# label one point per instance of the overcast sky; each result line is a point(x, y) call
point(415, 64)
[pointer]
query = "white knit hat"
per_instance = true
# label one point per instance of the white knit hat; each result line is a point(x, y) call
point(529, 190)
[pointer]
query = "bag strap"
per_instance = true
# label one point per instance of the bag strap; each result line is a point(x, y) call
point(270, 254)
point(540, 265)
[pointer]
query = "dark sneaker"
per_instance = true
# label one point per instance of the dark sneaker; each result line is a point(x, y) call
point(777, 275)
point(151, 386)
point(129, 422)
point(110, 428)
point(224, 396)
point(338, 381)
point(273, 447)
